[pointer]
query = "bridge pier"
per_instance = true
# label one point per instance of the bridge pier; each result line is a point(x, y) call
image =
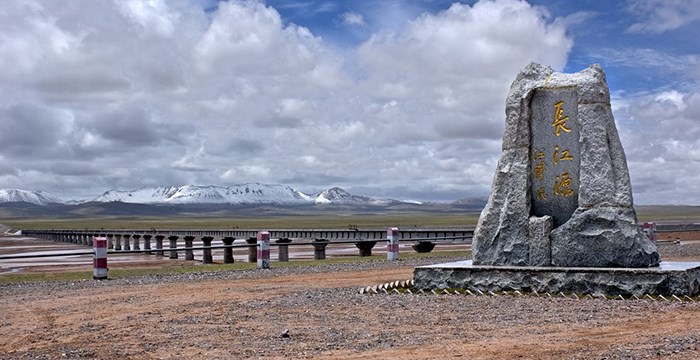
point(136, 238)
point(118, 242)
point(320, 248)
point(228, 252)
point(173, 245)
point(252, 250)
point(423, 246)
point(283, 249)
point(189, 240)
point(206, 252)
point(365, 247)
point(147, 243)
point(159, 245)
point(127, 245)
point(110, 241)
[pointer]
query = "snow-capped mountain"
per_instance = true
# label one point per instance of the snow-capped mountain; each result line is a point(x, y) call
point(337, 195)
point(32, 197)
point(189, 194)
point(253, 193)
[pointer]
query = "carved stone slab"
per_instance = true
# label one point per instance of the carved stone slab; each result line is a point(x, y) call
point(554, 153)
point(581, 180)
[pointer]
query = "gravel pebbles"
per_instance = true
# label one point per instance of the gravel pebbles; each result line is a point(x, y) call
point(337, 322)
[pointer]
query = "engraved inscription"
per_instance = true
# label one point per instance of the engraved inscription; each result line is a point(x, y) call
point(555, 154)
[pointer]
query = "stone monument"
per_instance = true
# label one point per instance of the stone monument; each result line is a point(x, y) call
point(560, 216)
point(561, 194)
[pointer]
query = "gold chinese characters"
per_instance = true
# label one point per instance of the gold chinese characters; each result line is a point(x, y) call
point(565, 155)
point(559, 122)
point(563, 181)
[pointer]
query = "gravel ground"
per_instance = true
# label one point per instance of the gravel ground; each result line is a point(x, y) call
point(683, 251)
point(244, 314)
point(42, 287)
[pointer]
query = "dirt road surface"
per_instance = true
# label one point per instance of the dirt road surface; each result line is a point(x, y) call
point(243, 314)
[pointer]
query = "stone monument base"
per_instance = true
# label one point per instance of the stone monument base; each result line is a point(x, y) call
point(669, 278)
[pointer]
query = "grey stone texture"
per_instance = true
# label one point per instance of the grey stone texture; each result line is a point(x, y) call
point(602, 237)
point(540, 240)
point(678, 279)
point(603, 230)
point(554, 154)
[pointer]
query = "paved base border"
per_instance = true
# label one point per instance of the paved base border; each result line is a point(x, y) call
point(670, 278)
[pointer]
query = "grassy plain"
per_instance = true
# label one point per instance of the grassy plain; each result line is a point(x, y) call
point(302, 220)
point(332, 221)
point(668, 213)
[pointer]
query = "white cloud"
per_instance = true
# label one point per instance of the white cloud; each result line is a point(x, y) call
point(153, 15)
point(688, 64)
point(657, 16)
point(454, 67)
point(352, 18)
point(245, 173)
point(164, 93)
point(662, 142)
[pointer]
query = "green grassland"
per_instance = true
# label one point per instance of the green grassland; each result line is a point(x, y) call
point(668, 213)
point(334, 221)
point(330, 220)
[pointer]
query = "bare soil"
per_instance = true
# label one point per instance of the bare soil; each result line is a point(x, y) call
point(327, 318)
point(243, 314)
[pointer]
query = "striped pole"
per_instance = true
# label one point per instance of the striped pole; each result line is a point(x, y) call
point(263, 250)
point(99, 262)
point(650, 230)
point(392, 245)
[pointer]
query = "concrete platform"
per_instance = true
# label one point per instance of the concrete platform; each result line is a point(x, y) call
point(670, 278)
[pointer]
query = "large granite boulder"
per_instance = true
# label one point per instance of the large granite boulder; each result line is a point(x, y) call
point(602, 237)
point(562, 171)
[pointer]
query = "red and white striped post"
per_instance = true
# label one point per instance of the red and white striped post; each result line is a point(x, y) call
point(99, 262)
point(650, 230)
point(263, 250)
point(392, 245)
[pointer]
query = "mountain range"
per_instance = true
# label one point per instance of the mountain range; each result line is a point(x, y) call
point(251, 194)
point(31, 197)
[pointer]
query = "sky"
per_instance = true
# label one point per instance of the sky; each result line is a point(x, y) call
point(387, 98)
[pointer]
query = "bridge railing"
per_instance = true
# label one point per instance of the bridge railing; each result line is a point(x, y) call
point(328, 234)
point(424, 244)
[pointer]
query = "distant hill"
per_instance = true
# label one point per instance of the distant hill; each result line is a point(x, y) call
point(236, 200)
point(31, 197)
point(190, 194)
point(249, 194)
point(471, 202)
point(21, 210)
point(252, 193)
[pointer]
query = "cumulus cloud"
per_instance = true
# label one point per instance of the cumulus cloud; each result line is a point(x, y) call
point(30, 130)
point(154, 16)
point(662, 141)
point(443, 60)
point(662, 62)
point(352, 18)
point(131, 93)
point(658, 16)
